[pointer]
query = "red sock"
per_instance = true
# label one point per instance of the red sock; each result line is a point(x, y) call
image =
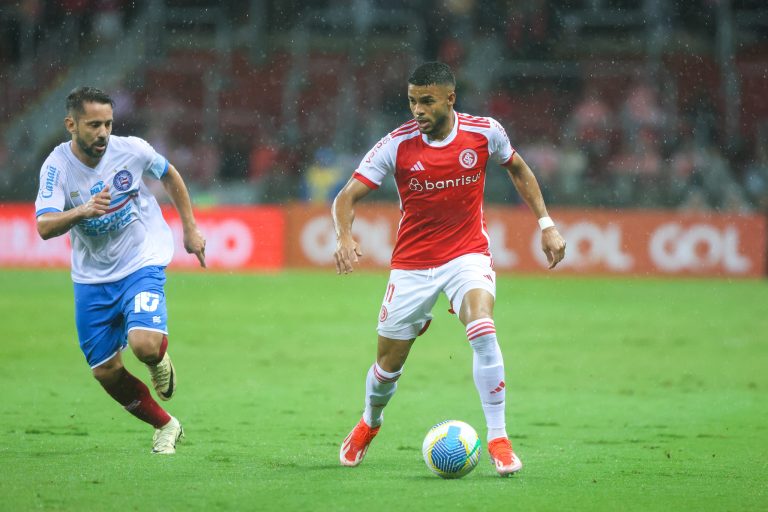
point(134, 396)
point(163, 348)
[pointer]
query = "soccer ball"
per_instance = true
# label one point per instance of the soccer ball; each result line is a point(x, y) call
point(451, 449)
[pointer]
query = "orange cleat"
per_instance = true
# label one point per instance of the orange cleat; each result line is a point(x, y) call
point(356, 444)
point(503, 457)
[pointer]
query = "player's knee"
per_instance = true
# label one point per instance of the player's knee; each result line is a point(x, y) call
point(472, 312)
point(476, 304)
point(108, 372)
point(147, 353)
point(146, 346)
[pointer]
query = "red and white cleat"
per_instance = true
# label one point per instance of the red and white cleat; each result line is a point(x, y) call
point(356, 444)
point(503, 457)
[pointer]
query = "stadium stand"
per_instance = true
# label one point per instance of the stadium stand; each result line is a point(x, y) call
point(616, 103)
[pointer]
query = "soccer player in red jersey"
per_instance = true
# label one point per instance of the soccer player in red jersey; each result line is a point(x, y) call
point(438, 160)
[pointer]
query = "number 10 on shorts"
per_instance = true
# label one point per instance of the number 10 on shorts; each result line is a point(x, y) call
point(146, 301)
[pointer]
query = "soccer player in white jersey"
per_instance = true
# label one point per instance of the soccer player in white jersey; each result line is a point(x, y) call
point(92, 187)
point(438, 160)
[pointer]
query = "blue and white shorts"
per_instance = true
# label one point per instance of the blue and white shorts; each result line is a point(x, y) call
point(106, 313)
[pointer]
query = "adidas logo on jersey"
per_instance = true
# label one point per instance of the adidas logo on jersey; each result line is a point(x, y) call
point(418, 166)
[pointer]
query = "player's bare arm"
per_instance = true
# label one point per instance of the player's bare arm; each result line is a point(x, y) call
point(53, 224)
point(194, 242)
point(347, 249)
point(552, 243)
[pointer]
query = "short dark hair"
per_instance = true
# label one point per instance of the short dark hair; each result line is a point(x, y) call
point(431, 73)
point(80, 95)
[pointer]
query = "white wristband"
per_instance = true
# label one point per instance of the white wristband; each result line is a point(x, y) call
point(546, 222)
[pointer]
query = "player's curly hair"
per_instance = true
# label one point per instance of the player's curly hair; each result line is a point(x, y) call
point(431, 73)
point(80, 95)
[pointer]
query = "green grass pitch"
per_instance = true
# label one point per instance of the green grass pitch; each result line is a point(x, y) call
point(624, 394)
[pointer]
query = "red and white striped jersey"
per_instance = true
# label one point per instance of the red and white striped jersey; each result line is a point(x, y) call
point(441, 187)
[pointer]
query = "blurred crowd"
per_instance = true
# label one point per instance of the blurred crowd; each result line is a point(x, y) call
point(26, 25)
point(638, 152)
point(617, 138)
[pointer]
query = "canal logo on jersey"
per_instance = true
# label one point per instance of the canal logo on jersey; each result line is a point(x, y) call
point(51, 180)
point(123, 180)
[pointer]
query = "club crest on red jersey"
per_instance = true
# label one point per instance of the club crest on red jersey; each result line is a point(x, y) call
point(468, 158)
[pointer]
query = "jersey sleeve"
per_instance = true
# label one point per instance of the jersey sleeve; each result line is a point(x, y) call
point(154, 164)
point(50, 194)
point(499, 148)
point(378, 163)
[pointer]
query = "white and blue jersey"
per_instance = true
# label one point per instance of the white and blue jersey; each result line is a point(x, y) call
point(132, 234)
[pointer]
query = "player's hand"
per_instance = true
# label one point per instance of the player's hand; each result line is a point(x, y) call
point(194, 243)
point(98, 204)
point(347, 252)
point(553, 246)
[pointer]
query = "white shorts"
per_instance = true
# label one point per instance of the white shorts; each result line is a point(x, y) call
point(411, 294)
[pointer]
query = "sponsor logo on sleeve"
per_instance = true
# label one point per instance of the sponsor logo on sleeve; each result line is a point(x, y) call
point(51, 180)
point(376, 148)
point(502, 131)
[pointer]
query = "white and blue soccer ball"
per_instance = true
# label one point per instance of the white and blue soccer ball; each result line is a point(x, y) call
point(451, 449)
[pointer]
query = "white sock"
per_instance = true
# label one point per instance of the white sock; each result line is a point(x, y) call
point(488, 371)
point(380, 385)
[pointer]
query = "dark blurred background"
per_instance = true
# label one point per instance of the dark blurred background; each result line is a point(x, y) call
point(613, 103)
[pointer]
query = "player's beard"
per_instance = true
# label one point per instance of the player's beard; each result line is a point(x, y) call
point(90, 149)
point(437, 123)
